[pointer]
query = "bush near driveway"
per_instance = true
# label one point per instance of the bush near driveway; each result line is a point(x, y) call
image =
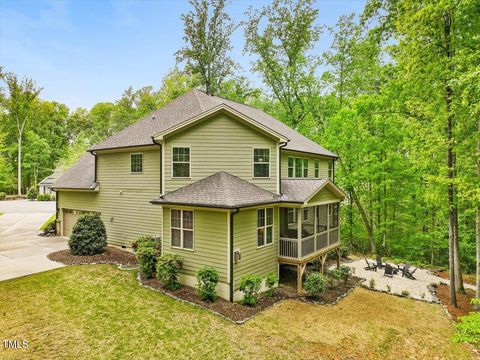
point(32, 193)
point(2, 196)
point(88, 236)
point(44, 197)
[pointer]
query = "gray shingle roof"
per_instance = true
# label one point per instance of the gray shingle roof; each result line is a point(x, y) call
point(220, 190)
point(299, 190)
point(194, 103)
point(80, 176)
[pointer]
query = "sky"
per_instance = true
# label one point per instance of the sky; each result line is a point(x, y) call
point(82, 52)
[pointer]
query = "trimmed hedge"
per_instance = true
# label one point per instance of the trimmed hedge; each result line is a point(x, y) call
point(88, 236)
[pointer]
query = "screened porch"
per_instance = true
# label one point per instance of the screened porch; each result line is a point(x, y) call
point(308, 231)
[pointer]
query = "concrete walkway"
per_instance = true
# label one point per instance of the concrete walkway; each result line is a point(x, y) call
point(22, 252)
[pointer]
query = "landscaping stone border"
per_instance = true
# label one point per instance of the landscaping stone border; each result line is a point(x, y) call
point(430, 289)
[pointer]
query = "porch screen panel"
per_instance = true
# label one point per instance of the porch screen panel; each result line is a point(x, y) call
point(335, 214)
point(288, 223)
point(308, 222)
point(321, 218)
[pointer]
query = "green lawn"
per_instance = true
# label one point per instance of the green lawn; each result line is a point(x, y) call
point(98, 311)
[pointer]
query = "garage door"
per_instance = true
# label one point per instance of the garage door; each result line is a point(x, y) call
point(70, 217)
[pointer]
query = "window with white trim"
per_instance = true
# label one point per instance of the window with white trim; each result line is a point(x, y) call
point(264, 227)
point(330, 170)
point(305, 168)
point(180, 162)
point(181, 227)
point(261, 163)
point(291, 166)
point(297, 167)
point(136, 163)
point(317, 169)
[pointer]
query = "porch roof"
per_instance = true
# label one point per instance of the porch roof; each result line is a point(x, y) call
point(220, 190)
point(302, 190)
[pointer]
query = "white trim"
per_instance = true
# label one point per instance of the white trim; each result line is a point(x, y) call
point(213, 111)
point(143, 157)
point(182, 230)
point(278, 166)
point(269, 162)
point(332, 187)
point(181, 162)
point(162, 170)
point(265, 227)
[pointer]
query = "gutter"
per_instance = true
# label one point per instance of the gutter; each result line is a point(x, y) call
point(232, 289)
point(95, 176)
point(282, 145)
point(160, 155)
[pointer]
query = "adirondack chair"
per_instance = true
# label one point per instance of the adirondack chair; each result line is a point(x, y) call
point(406, 272)
point(370, 266)
point(379, 262)
point(389, 270)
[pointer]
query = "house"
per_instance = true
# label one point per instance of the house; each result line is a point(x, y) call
point(220, 183)
point(45, 186)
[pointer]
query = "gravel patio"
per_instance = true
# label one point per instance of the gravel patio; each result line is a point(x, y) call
point(418, 289)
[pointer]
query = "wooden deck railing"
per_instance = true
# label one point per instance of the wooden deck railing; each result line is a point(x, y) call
point(291, 248)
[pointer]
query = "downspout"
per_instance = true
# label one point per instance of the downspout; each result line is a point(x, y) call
point(232, 290)
point(282, 145)
point(160, 155)
point(95, 176)
point(57, 193)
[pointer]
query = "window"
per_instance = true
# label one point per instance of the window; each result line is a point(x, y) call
point(136, 163)
point(261, 163)
point(305, 168)
point(330, 170)
point(181, 162)
point(297, 167)
point(264, 227)
point(291, 166)
point(317, 169)
point(181, 226)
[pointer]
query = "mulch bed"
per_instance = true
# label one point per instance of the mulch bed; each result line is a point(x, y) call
point(463, 300)
point(111, 255)
point(468, 279)
point(239, 313)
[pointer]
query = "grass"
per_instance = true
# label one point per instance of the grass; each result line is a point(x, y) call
point(48, 222)
point(98, 312)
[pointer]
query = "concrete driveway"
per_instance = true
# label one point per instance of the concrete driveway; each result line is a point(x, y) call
point(22, 252)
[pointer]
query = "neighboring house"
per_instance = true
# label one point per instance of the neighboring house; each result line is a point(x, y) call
point(45, 186)
point(220, 183)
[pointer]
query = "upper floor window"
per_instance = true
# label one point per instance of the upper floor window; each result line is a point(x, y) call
point(261, 163)
point(136, 163)
point(330, 170)
point(317, 169)
point(297, 167)
point(181, 162)
point(264, 227)
point(181, 227)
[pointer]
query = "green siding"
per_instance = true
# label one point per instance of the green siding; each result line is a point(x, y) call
point(324, 195)
point(311, 164)
point(259, 261)
point(124, 198)
point(210, 242)
point(221, 144)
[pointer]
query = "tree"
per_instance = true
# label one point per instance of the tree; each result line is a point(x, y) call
point(281, 36)
point(20, 106)
point(207, 32)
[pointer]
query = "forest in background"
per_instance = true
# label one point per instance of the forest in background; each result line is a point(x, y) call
point(399, 102)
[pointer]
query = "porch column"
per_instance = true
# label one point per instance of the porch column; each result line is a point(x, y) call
point(299, 233)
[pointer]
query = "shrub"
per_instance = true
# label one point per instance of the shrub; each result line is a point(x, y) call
point(168, 267)
point(332, 275)
point(468, 329)
point(314, 284)
point(146, 250)
point(270, 281)
point(32, 193)
point(207, 280)
point(345, 273)
point(2, 196)
point(250, 285)
point(371, 283)
point(405, 292)
point(88, 235)
point(44, 197)
point(344, 251)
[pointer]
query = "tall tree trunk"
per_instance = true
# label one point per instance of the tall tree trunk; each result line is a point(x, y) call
point(477, 293)
point(458, 266)
point(350, 218)
point(19, 164)
point(366, 222)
